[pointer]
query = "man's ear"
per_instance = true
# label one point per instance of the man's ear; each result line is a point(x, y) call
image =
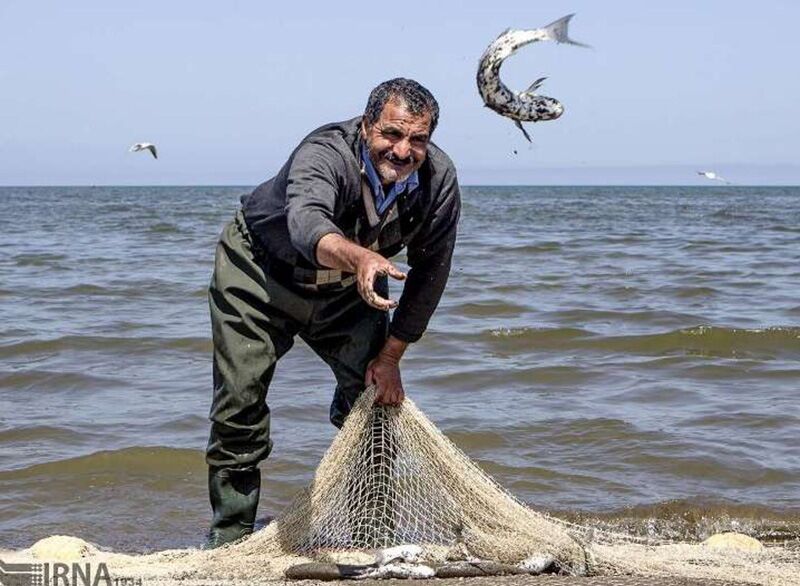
point(363, 130)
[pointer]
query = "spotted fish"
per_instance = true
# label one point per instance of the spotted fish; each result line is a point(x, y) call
point(525, 106)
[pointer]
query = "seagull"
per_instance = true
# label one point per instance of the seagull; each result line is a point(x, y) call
point(142, 146)
point(712, 175)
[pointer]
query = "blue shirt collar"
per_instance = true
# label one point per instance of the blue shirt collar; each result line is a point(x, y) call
point(384, 200)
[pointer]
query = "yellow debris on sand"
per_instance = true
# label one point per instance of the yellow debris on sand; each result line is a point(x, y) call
point(61, 548)
point(733, 540)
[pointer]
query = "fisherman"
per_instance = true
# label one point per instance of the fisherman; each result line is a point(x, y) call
point(307, 255)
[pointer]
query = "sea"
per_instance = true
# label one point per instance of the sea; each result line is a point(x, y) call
point(623, 356)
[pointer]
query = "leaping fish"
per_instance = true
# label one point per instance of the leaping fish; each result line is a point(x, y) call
point(525, 106)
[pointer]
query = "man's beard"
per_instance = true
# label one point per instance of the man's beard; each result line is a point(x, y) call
point(392, 175)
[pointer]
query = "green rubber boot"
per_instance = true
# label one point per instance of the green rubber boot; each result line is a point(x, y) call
point(234, 500)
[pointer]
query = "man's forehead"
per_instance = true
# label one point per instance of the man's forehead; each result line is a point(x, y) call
point(397, 114)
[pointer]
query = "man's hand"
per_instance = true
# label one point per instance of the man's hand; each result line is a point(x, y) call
point(368, 267)
point(384, 373)
point(337, 252)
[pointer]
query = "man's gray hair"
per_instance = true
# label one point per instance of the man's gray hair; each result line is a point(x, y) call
point(417, 100)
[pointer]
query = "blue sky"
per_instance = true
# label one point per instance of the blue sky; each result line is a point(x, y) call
point(226, 89)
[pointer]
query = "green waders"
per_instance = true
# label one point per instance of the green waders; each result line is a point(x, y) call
point(254, 320)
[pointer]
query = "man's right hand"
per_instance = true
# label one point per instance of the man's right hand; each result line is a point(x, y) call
point(368, 268)
point(337, 252)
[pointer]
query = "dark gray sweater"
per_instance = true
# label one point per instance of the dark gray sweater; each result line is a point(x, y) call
point(320, 190)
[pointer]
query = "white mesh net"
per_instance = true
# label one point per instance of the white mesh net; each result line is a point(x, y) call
point(391, 477)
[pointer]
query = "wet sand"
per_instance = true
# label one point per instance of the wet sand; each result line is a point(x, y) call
point(548, 580)
point(560, 581)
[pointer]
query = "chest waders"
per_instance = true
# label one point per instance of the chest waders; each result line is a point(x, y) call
point(255, 318)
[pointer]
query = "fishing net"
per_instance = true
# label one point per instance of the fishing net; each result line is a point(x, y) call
point(391, 477)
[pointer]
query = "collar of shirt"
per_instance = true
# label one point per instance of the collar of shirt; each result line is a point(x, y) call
point(384, 200)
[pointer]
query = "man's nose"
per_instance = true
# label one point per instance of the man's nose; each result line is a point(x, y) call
point(402, 149)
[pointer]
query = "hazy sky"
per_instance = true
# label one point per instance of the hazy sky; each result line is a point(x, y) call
point(226, 89)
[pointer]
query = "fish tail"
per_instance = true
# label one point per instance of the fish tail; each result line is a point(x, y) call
point(557, 31)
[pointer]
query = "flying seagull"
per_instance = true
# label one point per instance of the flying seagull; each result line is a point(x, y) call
point(144, 146)
point(712, 175)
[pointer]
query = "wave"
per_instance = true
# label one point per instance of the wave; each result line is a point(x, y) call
point(142, 344)
point(40, 260)
point(534, 335)
point(124, 462)
point(700, 340)
point(715, 341)
point(695, 291)
point(164, 228)
point(526, 249)
point(154, 287)
point(784, 228)
point(488, 308)
point(695, 520)
point(29, 433)
point(85, 289)
point(736, 212)
point(606, 315)
point(459, 379)
point(43, 379)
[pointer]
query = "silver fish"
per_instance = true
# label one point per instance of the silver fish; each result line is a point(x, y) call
point(525, 106)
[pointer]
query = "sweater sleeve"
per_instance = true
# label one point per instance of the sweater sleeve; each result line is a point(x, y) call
point(311, 191)
point(429, 258)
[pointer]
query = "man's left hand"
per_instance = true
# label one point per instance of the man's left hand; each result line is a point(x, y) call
point(384, 373)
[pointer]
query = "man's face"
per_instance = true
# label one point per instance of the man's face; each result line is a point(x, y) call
point(397, 142)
